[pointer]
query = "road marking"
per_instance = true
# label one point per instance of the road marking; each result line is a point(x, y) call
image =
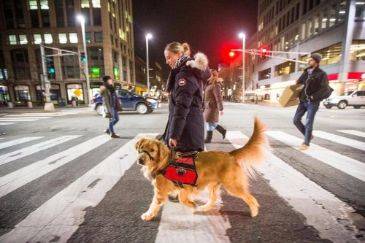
point(339, 139)
point(62, 214)
point(17, 120)
point(6, 158)
point(6, 123)
point(27, 117)
point(354, 132)
point(17, 141)
point(18, 178)
point(322, 210)
point(179, 224)
point(343, 163)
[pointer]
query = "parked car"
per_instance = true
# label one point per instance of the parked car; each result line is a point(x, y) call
point(129, 101)
point(355, 99)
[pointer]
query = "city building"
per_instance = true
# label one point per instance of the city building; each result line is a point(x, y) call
point(141, 76)
point(288, 30)
point(25, 24)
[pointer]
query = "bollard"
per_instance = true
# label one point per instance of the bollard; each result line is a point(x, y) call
point(10, 105)
point(30, 104)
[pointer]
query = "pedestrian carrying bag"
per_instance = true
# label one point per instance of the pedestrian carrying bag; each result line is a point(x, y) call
point(290, 95)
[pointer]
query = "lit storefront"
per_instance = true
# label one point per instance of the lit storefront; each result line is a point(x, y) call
point(4, 95)
point(75, 90)
point(54, 91)
point(22, 94)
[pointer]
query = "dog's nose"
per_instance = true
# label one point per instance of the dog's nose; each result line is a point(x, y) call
point(140, 161)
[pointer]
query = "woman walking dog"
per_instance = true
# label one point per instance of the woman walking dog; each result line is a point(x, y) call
point(213, 106)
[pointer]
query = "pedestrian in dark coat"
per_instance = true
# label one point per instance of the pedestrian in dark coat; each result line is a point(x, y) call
point(315, 89)
point(185, 127)
point(213, 106)
point(111, 104)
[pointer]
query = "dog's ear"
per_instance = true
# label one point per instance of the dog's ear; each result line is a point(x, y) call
point(139, 143)
point(162, 151)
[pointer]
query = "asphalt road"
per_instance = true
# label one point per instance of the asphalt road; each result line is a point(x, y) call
point(62, 179)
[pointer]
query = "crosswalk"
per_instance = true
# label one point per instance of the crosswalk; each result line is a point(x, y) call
point(60, 215)
point(7, 119)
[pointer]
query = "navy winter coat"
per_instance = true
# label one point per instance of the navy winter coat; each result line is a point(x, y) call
point(186, 122)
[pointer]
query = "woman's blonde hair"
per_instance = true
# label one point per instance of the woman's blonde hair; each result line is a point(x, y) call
point(187, 50)
point(175, 47)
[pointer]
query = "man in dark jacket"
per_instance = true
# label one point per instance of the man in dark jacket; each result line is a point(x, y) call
point(111, 104)
point(315, 88)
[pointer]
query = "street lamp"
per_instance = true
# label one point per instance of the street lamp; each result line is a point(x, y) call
point(242, 36)
point(148, 37)
point(81, 19)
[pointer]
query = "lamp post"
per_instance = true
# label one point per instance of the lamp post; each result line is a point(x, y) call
point(148, 37)
point(242, 36)
point(81, 19)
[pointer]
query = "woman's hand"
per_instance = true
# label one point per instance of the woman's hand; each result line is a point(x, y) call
point(172, 143)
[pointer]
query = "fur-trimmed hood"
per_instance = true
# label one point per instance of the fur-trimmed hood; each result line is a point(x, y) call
point(200, 61)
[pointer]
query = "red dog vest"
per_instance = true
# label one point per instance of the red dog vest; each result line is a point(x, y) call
point(182, 171)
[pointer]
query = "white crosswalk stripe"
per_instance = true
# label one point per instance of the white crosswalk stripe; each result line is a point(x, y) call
point(329, 215)
point(340, 139)
point(341, 162)
point(62, 214)
point(6, 123)
point(18, 178)
point(26, 117)
point(14, 155)
point(17, 141)
point(353, 132)
point(17, 119)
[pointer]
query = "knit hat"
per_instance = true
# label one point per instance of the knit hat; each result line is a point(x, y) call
point(316, 57)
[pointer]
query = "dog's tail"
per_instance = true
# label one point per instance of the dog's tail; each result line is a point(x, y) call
point(255, 150)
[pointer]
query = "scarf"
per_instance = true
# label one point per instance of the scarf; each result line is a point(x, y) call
point(171, 79)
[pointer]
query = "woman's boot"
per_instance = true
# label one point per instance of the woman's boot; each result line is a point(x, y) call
point(208, 139)
point(222, 131)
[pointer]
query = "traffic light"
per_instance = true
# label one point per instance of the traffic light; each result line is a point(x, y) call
point(231, 54)
point(51, 70)
point(82, 57)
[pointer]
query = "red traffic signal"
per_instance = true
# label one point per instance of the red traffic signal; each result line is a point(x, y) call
point(231, 54)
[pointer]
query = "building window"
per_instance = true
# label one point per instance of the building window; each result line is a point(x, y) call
point(331, 54)
point(22, 93)
point(37, 38)
point(33, 4)
point(98, 37)
point(285, 68)
point(45, 18)
point(34, 18)
point(85, 4)
point(23, 39)
point(48, 38)
point(8, 14)
point(62, 38)
point(360, 10)
point(44, 4)
point(96, 3)
point(20, 63)
point(265, 74)
point(358, 50)
point(59, 13)
point(88, 37)
point(74, 91)
point(12, 40)
point(70, 11)
point(73, 38)
point(96, 17)
point(70, 66)
point(19, 15)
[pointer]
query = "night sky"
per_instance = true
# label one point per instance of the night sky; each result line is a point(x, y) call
point(210, 26)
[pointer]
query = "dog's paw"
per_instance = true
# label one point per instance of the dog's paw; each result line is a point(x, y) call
point(147, 216)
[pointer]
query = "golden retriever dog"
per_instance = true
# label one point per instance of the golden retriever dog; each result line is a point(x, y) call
point(215, 169)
